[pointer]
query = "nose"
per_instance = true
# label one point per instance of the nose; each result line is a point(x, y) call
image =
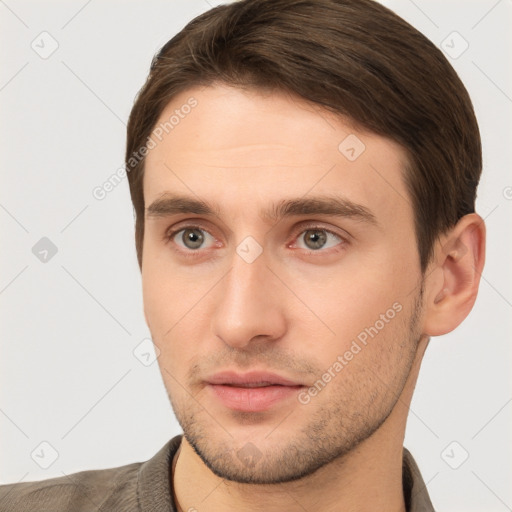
point(250, 304)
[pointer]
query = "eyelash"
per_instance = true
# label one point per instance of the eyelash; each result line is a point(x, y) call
point(168, 237)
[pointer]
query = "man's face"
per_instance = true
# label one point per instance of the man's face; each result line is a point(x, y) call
point(329, 302)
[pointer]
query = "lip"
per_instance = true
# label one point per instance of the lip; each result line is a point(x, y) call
point(252, 399)
point(246, 379)
point(233, 390)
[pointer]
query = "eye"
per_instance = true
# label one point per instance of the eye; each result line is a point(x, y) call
point(317, 238)
point(190, 238)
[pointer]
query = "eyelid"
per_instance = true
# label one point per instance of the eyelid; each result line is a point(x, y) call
point(189, 223)
point(311, 225)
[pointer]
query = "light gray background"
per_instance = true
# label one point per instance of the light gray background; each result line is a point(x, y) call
point(68, 374)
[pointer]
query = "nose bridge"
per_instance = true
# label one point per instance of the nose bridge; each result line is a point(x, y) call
point(244, 281)
point(246, 306)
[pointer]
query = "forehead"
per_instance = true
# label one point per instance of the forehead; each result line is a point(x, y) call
point(236, 146)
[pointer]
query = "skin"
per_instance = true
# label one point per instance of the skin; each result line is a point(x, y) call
point(291, 311)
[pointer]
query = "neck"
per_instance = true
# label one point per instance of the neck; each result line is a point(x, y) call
point(360, 483)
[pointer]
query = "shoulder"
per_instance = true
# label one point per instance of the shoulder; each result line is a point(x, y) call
point(82, 491)
point(130, 488)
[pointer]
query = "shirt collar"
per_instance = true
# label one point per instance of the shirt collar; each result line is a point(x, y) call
point(416, 495)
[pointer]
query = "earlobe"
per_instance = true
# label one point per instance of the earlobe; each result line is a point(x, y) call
point(453, 279)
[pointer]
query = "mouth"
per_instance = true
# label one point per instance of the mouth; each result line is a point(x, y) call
point(252, 392)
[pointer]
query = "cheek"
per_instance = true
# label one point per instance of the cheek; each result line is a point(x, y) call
point(343, 301)
point(170, 314)
point(175, 315)
point(370, 356)
point(163, 287)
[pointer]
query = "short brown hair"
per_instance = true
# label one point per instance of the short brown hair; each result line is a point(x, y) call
point(355, 58)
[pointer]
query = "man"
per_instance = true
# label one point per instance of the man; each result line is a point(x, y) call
point(303, 174)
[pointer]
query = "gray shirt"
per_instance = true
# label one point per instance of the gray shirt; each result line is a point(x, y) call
point(144, 487)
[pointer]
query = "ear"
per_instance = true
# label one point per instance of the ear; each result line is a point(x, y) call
point(452, 280)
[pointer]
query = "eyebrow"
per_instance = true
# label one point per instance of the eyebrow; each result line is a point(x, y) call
point(171, 204)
